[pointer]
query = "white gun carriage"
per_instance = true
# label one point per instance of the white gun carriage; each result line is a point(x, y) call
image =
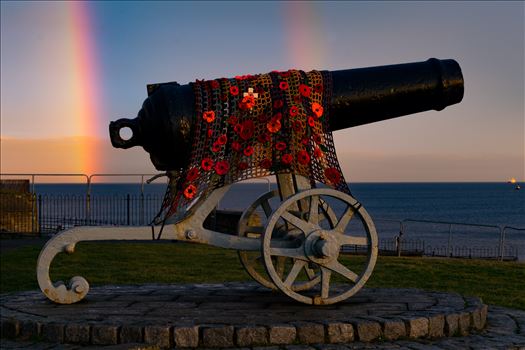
point(309, 239)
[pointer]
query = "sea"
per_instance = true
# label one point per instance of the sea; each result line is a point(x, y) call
point(441, 216)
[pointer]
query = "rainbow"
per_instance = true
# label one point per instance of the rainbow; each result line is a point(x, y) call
point(306, 46)
point(86, 86)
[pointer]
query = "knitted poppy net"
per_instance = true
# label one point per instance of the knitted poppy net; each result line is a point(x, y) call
point(254, 126)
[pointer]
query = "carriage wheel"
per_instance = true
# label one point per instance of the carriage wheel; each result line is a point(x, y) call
point(344, 253)
point(252, 224)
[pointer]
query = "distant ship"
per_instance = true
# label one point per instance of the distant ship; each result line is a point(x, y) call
point(513, 181)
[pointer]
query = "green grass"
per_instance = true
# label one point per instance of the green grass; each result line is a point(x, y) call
point(498, 283)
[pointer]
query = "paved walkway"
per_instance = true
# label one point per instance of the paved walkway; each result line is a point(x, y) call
point(243, 315)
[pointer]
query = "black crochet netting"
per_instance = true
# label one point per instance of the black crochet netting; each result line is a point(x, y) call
point(254, 126)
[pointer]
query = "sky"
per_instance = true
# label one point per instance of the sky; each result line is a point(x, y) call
point(69, 68)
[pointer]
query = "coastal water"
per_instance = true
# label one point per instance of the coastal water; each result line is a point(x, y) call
point(477, 203)
point(486, 208)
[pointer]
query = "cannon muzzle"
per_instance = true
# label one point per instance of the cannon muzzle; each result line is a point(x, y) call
point(359, 96)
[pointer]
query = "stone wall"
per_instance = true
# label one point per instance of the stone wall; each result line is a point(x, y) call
point(18, 212)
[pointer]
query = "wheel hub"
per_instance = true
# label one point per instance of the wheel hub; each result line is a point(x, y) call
point(320, 246)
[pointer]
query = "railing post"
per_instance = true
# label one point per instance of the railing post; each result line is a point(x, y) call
point(142, 209)
point(141, 214)
point(88, 201)
point(501, 242)
point(39, 213)
point(399, 238)
point(128, 208)
point(33, 211)
point(449, 240)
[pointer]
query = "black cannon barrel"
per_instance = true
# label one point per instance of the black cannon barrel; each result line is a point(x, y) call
point(360, 96)
point(367, 95)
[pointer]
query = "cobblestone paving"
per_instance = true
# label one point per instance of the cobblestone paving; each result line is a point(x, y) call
point(243, 315)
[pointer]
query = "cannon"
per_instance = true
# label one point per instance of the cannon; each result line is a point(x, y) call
point(310, 238)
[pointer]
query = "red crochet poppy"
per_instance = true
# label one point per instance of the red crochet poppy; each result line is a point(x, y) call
point(278, 104)
point(294, 110)
point(248, 151)
point(237, 128)
point(248, 102)
point(305, 90)
point(222, 167)
point(273, 125)
point(242, 166)
point(192, 174)
point(297, 126)
point(247, 129)
point(190, 191)
point(222, 139)
point(208, 116)
point(209, 133)
point(214, 84)
point(234, 90)
point(286, 158)
point(311, 121)
point(280, 146)
point(317, 109)
point(318, 88)
point(266, 163)
point(207, 164)
point(215, 147)
point(303, 157)
point(285, 74)
point(317, 138)
point(232, 120)
point(263, 138)
point(236, 146)
point(333, 175)
point(283, 85)
point(278, 115)
point(304, 141)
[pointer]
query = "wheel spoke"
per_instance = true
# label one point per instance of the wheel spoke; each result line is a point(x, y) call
point(325, 282)
point(256, 259)
point(327, 213)
point(336, 266)
point(313, 216)
point(300, 224)
point(345, 219)
point(281, 262)
point(267, 208)
point(351, 240)
point(294, 272)
point(310, 272)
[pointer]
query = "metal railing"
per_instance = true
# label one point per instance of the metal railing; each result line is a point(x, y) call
point(52, 213)
point(477, 241)
point(59, 212)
